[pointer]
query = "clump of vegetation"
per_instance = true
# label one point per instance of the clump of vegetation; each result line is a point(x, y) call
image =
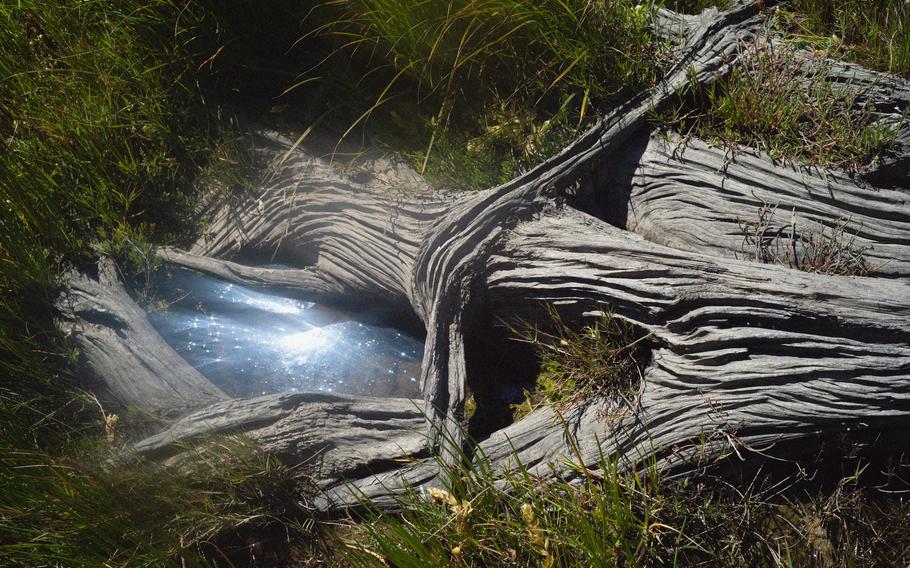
point(101, 138)
point(600, 362)
point(693, 6)
point(874, 33)
point(773, 103)
point(97, 125)
point(636, 517)
point(495, 85)
point(200, 512)
point(104, 132)
point(831, 250)
point(525, 521)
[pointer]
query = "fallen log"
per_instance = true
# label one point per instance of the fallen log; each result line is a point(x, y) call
point(744, 354)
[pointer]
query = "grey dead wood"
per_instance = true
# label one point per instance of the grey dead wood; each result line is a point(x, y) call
point(335, 436)
point(131, 363)
point(745, 355)
point(693, 196)
point(887, 98)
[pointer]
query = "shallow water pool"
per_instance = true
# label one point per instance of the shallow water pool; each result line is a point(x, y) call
point(250, 343)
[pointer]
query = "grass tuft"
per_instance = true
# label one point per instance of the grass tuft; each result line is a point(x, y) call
point(874, 33)
point(600, 362)
point(831, 250)
point(222, 493)
point(630, 517)
point(102, 131)
point(494, 85)
point(694, 6)
point(773, 103)
point(105, 131)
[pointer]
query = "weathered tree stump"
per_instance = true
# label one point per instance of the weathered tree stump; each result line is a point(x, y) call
point(745, 355)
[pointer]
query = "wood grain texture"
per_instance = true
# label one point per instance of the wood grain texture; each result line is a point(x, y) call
point(334, 437)
point(697, 197)
point(745, 355)
point(122, 351)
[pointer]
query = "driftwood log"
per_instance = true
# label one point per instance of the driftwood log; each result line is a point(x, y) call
point(746, 356)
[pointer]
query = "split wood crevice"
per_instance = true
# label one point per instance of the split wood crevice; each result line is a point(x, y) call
point(745, 355)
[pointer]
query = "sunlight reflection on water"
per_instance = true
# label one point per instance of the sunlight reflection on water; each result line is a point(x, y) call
point(250, 343)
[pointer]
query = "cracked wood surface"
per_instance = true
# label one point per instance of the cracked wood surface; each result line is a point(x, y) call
point(743, 353)
point(337, 436)
point(692, 196)
point(122, 350)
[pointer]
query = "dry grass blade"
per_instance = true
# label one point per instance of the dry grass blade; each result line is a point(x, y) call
point(824, 250)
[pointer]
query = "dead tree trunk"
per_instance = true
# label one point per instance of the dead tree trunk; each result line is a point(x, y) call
point(746, 355)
